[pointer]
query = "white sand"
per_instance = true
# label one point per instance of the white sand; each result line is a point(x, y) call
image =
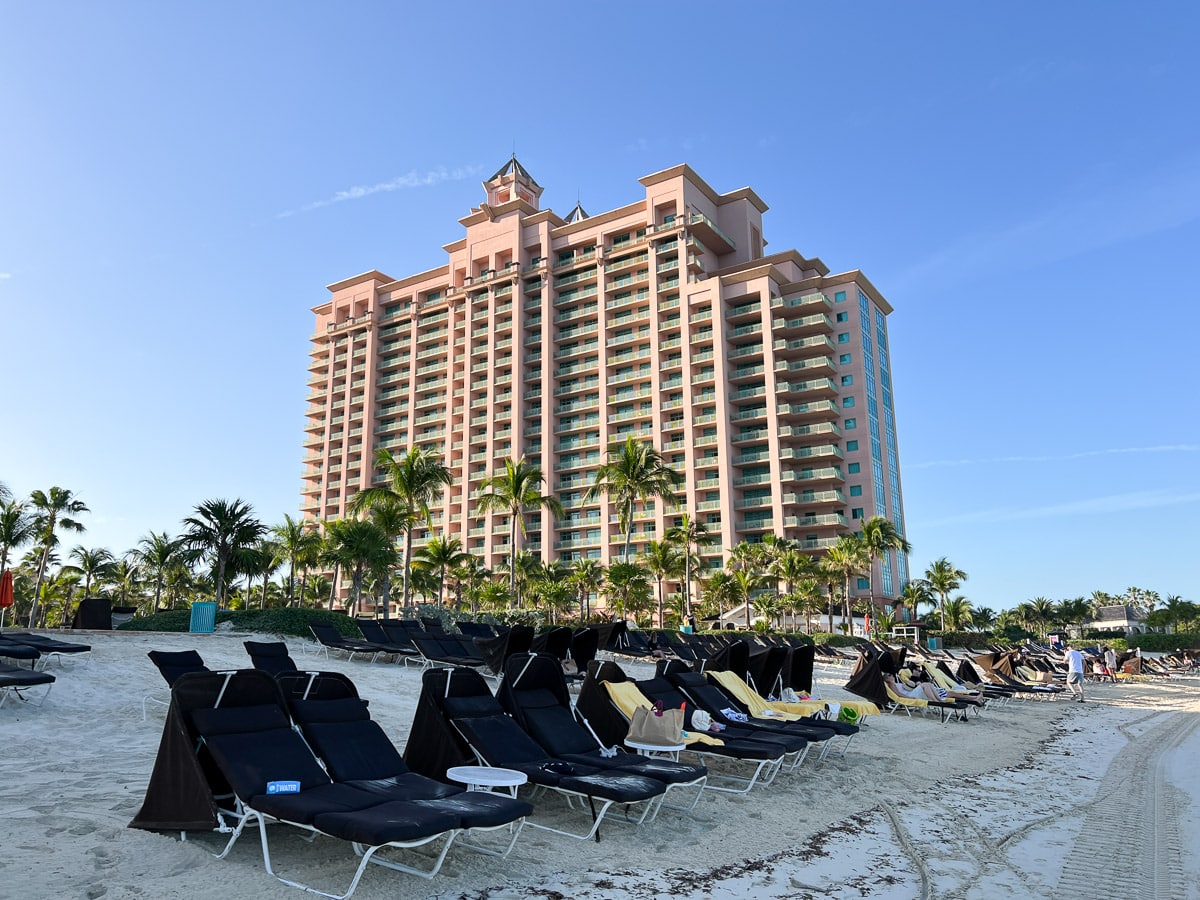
point(1030, 799)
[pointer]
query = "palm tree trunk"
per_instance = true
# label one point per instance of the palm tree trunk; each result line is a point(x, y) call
point(687, 579)
point(37, 586)
point(303, 585)
point(333, 585)
point(512, 558)
point(406, 594)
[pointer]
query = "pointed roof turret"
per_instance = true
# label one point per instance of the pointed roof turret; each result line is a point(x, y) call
point(578, 214)
point(512, 181)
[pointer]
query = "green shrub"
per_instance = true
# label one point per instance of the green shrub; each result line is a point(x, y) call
point(836, 640)
point(1165, 643)
point(280, 621)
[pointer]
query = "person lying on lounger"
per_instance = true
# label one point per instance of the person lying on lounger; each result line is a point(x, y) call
point(922, 690)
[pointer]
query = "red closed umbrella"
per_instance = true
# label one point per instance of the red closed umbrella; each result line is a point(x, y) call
point(6, 594)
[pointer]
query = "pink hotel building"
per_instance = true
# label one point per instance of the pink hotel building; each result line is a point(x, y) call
point(761, 376)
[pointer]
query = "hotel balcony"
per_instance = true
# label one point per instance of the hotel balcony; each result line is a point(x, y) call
point(806, 325)
point(812, 476)
point(805, 303)
point(813, 387)
point(823, 451)
point(817, 409)
point(814, 365)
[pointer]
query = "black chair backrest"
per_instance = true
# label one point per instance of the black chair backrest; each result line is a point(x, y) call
point(270, 656)
point(173, 664)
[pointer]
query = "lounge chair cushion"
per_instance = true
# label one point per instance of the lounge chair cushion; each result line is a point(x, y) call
point(386, 822)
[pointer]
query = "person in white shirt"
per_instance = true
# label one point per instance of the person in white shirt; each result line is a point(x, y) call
point(1074, 660)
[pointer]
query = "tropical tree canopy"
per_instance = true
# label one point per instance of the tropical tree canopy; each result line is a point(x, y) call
point(218, 532)
point(634, 472)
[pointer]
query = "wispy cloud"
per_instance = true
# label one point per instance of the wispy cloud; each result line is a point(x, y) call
point(1122, 213)
point(413, 179)
point(4, 276)
point(1092, 506)
point(1083, 454)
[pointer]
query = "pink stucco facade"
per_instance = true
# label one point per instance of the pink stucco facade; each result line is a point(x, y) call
point(555, 338)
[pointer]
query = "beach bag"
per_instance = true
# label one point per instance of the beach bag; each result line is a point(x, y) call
point(701, 721)
point(848, 714)
point(656, 726)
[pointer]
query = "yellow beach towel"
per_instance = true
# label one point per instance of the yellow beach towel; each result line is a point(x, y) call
point(752, 699)
point(627, 698)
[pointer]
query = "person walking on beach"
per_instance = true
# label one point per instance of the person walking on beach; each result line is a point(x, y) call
point(1074, 671)
point(1110, 661)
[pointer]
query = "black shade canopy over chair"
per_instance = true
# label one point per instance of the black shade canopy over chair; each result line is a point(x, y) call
point(271, 657)
point(461, 719)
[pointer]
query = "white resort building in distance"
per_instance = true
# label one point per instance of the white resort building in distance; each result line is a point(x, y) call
point(761, 377)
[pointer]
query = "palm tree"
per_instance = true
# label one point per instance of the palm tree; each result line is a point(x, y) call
point(552, 588)
point(807, 596)
point(587, 578)
point(943, 580)
point(916, 594)
point(52, 511)
point(17, 528)
point(359, 546)
point(220, 530)
point(628, 587)
point(848, 558)
point(983, 619)
point(157, 553)
point(414, 480)
point(958, 613)
point(124, 576)
point(469, 576)
point(744, 581)
point(634, 472)
point(439, 555)
point(296, 540)
point(664, 561)
point(1041, 612)
point(516, 491)
point(880, 537)
point(791, 567)
point(1075, 611)
point(720, 591)
point(93, 565)
point(689, 534)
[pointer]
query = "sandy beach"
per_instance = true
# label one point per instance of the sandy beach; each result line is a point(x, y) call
point(1027, 799)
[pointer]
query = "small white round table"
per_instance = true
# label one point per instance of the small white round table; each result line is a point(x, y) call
point(667, 751)
point(484, 778)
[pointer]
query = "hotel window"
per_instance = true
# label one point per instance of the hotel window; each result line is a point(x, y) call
point(844, 359)
point(847, 380)
point(856, 490)
point(850, 423)
point(854, 468)
point(848, 402)
point(851, 446)
point(844, 337)
point(842, 317)
point(863, 584)
point(856, 513)
point(839, 297)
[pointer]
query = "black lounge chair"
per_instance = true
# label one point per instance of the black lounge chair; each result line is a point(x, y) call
point(331, 639)
point(24, 652)
point(374, 632)
point(271, 657)
point(15, 679)
point(261, 771)
point(713, 699)
point(447, 650)
point(459, 719)
point(475, 629)
point(611, 727)
point(355, 751)
point(534, 692)
point(47, 646)
point(172, 665)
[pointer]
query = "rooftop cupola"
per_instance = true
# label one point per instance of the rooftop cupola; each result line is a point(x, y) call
point(512, 182)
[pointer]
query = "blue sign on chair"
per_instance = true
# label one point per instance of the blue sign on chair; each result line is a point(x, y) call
point(204, 617)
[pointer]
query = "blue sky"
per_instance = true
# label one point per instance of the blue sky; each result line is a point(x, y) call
point(178, 183)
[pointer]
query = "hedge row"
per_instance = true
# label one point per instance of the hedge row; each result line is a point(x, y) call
point(1165, 643)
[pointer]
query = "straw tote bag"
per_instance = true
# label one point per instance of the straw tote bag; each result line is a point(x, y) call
point(656, 726)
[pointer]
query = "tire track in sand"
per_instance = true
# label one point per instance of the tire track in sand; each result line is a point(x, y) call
point(1133, 831)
